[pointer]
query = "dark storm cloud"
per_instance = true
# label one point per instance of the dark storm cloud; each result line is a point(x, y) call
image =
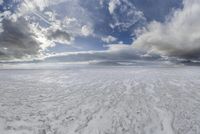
point(17, 40)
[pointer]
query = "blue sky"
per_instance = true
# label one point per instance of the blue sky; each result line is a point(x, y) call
point(40, 29)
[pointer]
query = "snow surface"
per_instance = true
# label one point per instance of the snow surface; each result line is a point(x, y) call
point(100, 100)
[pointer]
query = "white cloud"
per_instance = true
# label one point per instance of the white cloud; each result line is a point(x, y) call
point(125, 15)
point(179, 36)
point(87, 30)
point(109, 39)
point(113, 5)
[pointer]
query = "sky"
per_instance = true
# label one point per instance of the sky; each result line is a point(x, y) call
point(99, 30)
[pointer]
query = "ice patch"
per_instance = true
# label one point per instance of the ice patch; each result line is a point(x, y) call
point(106, 100)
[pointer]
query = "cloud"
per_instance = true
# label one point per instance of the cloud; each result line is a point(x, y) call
point(27, 6)
point(113, 5)
point(32, 27)
point(125, 15)
point(109, 39)
point(37, 25)
point(87, 30)
point(178, 37)
point(23, 38)
point(115, 52)
point(1, 2)
point(68, 15)
point(59, 36)
point(43, 24)
point(17, 40)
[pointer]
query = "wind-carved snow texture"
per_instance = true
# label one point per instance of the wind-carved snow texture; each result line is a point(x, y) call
point(100, 100)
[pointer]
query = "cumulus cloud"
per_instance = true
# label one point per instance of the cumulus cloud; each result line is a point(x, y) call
point(59, 36)
point(86, 30)
point(17, 40)
point(178, 37)
point(109, 39)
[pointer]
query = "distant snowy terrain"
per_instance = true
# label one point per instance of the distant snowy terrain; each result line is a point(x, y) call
point(100, 100)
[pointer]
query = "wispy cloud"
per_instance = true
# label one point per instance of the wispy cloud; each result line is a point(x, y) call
point(125, 14)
